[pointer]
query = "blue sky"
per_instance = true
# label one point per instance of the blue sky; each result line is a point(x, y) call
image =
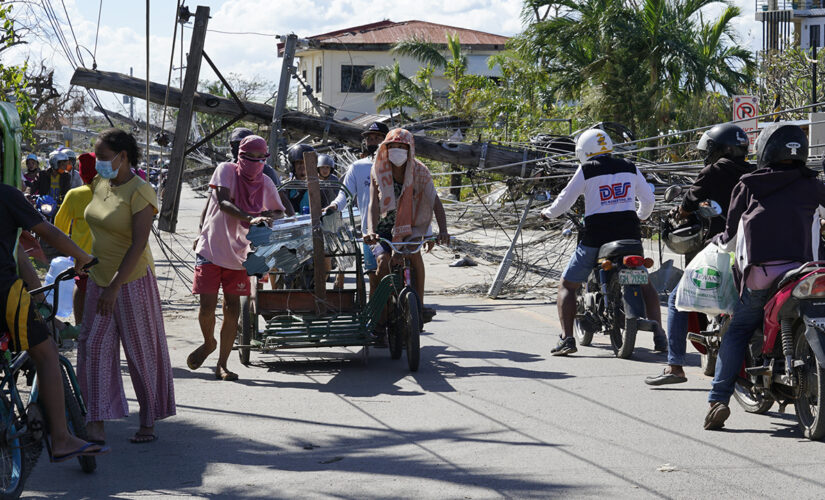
point(121, 38)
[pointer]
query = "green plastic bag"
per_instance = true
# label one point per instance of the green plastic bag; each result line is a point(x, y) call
point(707, 285)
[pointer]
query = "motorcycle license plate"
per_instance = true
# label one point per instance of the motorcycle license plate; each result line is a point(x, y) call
point(632, 277)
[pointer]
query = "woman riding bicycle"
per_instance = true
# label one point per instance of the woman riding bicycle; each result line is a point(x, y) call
point(402, 202)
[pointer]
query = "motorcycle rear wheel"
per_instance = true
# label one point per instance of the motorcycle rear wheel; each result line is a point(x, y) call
point(623, 330)
point(809, 405)
point(750, 400)
point(583, 335)
point(708, 363)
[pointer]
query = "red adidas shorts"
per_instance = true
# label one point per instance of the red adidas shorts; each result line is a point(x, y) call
point(209, 278)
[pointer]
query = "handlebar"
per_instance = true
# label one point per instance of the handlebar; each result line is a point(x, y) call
point(395, 245)
point(65, 275)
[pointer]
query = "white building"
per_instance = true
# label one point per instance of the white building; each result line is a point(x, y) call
point(333, 63)
point(800, 23)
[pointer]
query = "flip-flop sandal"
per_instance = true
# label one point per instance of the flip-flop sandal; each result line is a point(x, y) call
point(82, 451)
point(665, 378)
point(143, 438)
point(227, 376)
point(715, 419)
point(195, 360)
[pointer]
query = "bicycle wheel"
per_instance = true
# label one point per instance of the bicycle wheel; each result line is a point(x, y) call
point(13, 465)
point(76, 421)
point(410, 323)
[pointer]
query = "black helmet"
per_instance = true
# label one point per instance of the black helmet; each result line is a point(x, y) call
point(781, 142)
point(235, 139)
point(723, 141)
point(687, 237)
point(296, 153)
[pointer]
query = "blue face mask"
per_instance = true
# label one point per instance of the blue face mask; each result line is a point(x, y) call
point(105, 169)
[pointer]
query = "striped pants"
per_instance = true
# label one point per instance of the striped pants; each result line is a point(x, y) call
point(137, 323)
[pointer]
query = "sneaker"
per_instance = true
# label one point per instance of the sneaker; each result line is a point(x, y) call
point(564, 347)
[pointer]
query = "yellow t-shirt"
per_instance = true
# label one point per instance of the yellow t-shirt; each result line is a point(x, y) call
point(71, 219)
point(109, 216)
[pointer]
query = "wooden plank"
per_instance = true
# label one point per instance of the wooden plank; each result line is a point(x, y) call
point(318, 254)
point(169, 207)
point(456, 153)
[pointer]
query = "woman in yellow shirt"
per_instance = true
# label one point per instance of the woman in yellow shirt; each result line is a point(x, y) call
point(71, 220)
point(122, 300)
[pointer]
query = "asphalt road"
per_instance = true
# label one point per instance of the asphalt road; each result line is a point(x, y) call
point(489, 415)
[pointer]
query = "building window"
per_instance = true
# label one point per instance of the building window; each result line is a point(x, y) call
point(318, 79)
point(814, 34)
point(351, 79)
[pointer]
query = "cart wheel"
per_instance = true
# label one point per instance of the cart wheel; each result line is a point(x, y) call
point(410, 324)
point(245, 332)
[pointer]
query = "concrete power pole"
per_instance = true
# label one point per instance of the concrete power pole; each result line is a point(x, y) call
point(276, 130)
point(171, 200)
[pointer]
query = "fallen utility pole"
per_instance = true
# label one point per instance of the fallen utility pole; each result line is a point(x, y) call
point(276, 128)
point(168, 219)
point(456, 153)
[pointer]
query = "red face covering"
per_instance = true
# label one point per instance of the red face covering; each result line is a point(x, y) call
point(250, 192)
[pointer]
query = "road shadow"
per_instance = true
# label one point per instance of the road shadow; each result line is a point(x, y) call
point(179, 463)
point(380, 375)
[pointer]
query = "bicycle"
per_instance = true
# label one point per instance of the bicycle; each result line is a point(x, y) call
point(23, 426)
point(406, 324)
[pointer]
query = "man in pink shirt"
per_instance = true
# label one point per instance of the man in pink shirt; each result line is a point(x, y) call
point(241, 195)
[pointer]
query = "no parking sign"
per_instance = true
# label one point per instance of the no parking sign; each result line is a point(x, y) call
point(745, 111)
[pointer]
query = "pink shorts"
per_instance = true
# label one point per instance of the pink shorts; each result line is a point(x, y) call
point(209, 278)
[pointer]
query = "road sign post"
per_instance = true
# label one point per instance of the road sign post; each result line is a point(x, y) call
point(745, 109)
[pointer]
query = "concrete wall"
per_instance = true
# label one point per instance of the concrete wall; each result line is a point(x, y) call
point(353, 104)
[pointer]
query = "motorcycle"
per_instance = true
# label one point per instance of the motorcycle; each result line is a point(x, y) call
point(611, 302)
point(785, 360)
point(47, 206)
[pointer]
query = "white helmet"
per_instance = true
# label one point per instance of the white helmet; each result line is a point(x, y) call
point(56, 157)
point(71, 155)
point(592, 143)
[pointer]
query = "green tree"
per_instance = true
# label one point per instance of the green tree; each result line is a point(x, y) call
point(398, 90)
point(636, 62)
point(463, 91)
point(13, 82)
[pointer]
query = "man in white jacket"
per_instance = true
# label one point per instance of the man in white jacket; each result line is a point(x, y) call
point(610, 187)
point(357, 182)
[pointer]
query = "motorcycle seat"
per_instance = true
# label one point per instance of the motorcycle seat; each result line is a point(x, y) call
point(796, 273)
point(620, 248)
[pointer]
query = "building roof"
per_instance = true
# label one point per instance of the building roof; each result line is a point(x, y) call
point(383, 34)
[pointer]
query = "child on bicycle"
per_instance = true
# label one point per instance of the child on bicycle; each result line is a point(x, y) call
point(26, 330)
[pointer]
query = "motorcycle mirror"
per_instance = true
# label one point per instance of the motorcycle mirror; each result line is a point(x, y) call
point(672, 193)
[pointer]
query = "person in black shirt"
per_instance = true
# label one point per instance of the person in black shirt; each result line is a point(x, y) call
point(33, 335)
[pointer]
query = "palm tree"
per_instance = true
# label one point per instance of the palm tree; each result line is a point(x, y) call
point(454, 68)
point(398, 91)
point(636, 61)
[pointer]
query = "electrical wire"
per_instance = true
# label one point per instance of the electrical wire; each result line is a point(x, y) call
point(97, 32)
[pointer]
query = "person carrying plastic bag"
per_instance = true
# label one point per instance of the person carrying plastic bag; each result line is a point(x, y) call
point(708, 286)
